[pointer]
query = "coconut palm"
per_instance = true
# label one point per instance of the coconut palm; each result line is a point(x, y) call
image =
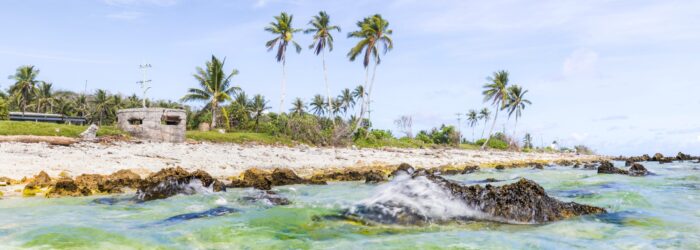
point(359, 93)
point(215, 86)
point(322, 39)
point(496, 91)
point(318, 105)
point(101, 106)
point(258, 106)
point(516, 103)
point(472, 119)
point(346, 99)
point(484, 114)
point(373, 32)
point(298, 107)
point(44, 98)
point(282, 28)
point(25, 84)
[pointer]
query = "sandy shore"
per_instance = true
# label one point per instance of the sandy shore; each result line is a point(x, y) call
point(18, 160)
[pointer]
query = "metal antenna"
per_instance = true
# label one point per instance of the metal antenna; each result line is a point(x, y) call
point(144, 69)
point(459, 125)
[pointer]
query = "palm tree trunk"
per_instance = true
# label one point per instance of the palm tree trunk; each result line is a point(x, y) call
point(473, 138)
point(369, 92)
point(483, 130)
point(515, 131)
point(284, 85)
point(213, 115)
point(495, 117)
point(328, 91)
point(362, 106)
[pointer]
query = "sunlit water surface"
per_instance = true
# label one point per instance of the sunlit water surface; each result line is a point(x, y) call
point(660, 211)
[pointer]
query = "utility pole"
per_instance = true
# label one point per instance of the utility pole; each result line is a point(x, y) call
point(459, 126)
point(144, 69)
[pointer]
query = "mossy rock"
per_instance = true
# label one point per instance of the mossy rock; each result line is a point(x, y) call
point(30, 191)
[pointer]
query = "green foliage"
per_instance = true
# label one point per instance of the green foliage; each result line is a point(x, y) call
point(494, 143)
point(424, 137)
point(4, 111)
point(583, 149)
point(239, 137)
point(51, 129)
point(306, 128)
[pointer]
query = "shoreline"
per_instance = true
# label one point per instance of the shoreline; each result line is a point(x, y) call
point(223, 160)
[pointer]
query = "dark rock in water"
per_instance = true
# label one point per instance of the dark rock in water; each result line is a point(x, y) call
point(66, 187)
point(607, 168)
point(538, 166)
point(500, 167)
point(520, 202)
point(575, 193)
point(577, 165)
point(268, 197)
point(628, 163)
point(638, 170)
point(214, 212)
point(107, 201)
point(119, 180)
point(683, 157)
point(285, 176)
point(645, 157)
point(258, 179)
point(470, 169)
point(487, 180)
point(658, 157)
point(589, 166)
point(374, 176)
point(403, 167)
point(172, 181)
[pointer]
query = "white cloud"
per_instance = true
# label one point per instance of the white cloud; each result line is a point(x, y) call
point(581, 62)
point(698, 137)
point(579, 136)
point(126, 15)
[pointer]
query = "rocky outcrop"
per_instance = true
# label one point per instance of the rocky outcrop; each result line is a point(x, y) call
point(404, 168)
point(172, 181)
point(436, 200)
point(684, 157)
point(285, 176)
point(607, 167)
point(36, 184)
point(638, 170)
point(66, 187)
point(90, 134)
point(374, 177)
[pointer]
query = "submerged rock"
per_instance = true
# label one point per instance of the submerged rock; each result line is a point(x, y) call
point(214, 212)
point(267, 197)
point(425, 198)
point(285, 176)
point(684, 157)
point(402, 168)
point(172, 181)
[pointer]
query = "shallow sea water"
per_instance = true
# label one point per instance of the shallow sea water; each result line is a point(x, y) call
point(652, 212)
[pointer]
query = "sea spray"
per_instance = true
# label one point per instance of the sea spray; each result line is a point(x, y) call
point(406, 200)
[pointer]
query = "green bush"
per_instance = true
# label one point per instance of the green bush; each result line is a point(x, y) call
point(4, 112)
point(423, 137)
point(494, 143)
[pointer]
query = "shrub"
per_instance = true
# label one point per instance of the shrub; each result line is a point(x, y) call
point(423, 137)
point(494, 143)
point(583, 149)
point(306, 128)
point(4, 112)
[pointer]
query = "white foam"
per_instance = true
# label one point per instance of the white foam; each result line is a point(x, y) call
point(421, 196)
point(221, 201)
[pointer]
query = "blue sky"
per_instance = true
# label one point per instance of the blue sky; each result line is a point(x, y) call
point(615, 75)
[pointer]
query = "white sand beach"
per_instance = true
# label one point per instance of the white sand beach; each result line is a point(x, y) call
point(19, 160)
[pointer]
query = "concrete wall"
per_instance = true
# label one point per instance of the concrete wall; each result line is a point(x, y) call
point(157, 124)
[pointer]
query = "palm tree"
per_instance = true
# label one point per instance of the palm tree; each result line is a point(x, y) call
point(44, 98)
point(527, 141)
point(516, 103)
point(472, 119)
point(282, 28)
point(25, 83)
point(101, 106)
point(258, 107)
point(318, 105)
point(298, 107)
point(322, 38)
point(496, 91)
point(215, 86)
point(347, 100)
point(373, 32)
point(359, 93)
point(484, 114)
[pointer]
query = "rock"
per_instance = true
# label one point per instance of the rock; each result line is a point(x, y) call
point(683, 157)
point(629, 163)
point(285, 176)
point(40, 180)
point(645, 157)
point(267, 197)
point(577, 165)
point(589, 166)
point(374, 176)
point(470, 169)
point(257, 178)
point(638, 170)
point(426, 198)
point(402, 168)
point(607, 168)
point(500, 167)
point(564, 163)
point(91, 182)
point(538, 166)
point(658, 157)
point(66, 187)
point(90, 134)
point(116, 181)
point(172, 181)
point(316, 180)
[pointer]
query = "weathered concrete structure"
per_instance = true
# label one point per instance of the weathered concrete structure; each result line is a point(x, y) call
point(154, 124)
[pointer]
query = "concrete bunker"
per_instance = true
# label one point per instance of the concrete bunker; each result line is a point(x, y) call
point(153, 124)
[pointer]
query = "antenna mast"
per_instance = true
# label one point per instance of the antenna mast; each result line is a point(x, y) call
point(144, 69)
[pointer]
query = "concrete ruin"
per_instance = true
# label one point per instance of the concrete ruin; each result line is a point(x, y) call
point(154, 124)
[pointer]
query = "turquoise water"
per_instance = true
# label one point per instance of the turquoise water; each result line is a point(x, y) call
point(660, 211)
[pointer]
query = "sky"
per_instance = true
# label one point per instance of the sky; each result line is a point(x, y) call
point(617, 76)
